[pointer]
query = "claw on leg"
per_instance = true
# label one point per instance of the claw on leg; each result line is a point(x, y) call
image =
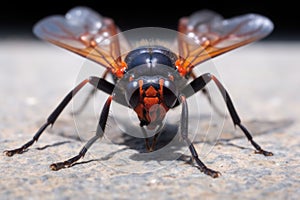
point(265, 153)
point(59, 165)
point(210, 172)
point(10, 153)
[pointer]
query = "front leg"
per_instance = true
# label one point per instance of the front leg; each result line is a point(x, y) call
point(184, 134)
point(98, 83)
point(200, 82)
point(99, 134)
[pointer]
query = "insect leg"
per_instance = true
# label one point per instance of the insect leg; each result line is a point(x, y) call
point(206, 93)
point(155, 137)
point(85, 102)
point(184, 134)
point(98, 83)
point(99, 134)
point(200, 83)
point(89, 96)
point(151, 147)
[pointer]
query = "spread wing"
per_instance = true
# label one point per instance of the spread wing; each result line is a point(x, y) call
point(85, 32)
point(205, 34)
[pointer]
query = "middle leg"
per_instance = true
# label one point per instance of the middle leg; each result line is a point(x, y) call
point(206, 93)
point(99, 134)
point(89, 96)
point(200, 82)
point(184, 134)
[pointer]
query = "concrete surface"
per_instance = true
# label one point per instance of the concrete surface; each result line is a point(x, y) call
point(262, 78)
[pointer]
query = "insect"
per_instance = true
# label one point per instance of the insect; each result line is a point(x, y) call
point(150, 79)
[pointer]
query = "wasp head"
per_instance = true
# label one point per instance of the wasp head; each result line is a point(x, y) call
point(151, 97)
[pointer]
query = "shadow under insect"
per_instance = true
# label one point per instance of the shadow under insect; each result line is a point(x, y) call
point(169, 145)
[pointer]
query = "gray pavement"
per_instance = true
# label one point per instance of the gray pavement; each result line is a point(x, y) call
point(262, 78)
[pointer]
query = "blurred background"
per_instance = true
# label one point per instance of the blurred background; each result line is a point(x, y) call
point(18, 18)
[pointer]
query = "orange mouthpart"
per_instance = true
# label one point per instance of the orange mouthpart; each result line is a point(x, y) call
point(151, 110)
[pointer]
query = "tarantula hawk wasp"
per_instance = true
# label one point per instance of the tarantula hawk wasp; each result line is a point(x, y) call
point(154, 77)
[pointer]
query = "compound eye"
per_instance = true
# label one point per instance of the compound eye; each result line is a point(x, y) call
point(132, 94)
point(169, 97)
point(170, 93)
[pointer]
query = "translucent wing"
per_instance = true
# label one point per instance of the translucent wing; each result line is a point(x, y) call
point(85, 32)
point(205, 34)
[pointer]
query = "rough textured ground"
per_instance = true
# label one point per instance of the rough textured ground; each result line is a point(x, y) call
point(262, 78)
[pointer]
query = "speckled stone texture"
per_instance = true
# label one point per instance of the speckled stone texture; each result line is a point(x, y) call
point(262, 79)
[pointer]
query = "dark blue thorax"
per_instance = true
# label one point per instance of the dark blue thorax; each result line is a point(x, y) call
point(155, 59)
